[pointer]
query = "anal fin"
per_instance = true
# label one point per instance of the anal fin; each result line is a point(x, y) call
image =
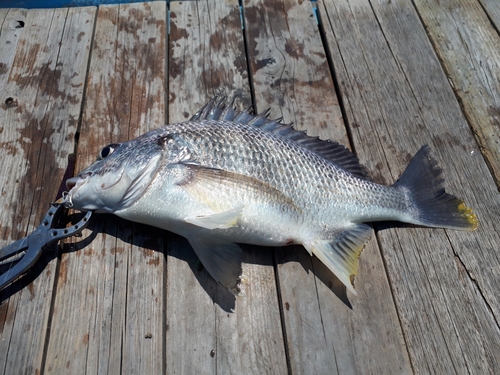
point(341, 253)
point(221, 260)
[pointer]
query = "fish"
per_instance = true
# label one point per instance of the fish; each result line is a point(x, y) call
point(227, 177)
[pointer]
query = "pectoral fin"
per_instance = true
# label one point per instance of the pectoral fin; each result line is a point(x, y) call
point(218, 189)
point(221, 260)
point(341, 253)
point(219, 220)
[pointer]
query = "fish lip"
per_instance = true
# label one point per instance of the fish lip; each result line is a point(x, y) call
point(66, 200)
point(71, 182)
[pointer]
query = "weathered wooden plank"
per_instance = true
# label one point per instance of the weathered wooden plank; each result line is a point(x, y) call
point(327, 332)
point(469, 48)
point(287, 66)
point(397, 98)
point(38, 128)
point(202, 54)
point(110, 294)
point(207, 57)
point(12, 21)
point(492, 8)
point(252, 337)
point(144, 58)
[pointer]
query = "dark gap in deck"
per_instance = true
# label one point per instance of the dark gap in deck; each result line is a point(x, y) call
point(282, 313)
point(490, 19)
point(331, 67)
point(245, 42)
point(167, 55)
point(165, 234)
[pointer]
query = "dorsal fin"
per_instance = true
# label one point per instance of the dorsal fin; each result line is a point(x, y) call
point(219, 109)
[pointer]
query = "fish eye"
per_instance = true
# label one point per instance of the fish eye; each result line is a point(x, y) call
point(108, 150)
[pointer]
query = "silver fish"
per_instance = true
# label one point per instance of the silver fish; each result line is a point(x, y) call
point(227, 176)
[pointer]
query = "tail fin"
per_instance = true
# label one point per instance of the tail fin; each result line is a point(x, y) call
point(430, 205)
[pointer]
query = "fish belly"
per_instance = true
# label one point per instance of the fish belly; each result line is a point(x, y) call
point(230, 217)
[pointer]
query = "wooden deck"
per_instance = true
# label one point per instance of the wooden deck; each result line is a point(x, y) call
point(384, 77)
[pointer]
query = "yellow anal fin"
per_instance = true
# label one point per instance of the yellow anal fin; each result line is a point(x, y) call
point(341, 253)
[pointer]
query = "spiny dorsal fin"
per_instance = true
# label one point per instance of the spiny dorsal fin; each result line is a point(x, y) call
point(219, 109)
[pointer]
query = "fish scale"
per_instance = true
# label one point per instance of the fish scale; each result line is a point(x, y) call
point(226, 177)
point(302, 166)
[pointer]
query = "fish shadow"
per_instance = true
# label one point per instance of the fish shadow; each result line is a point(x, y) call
point(315, 271)
point(178, 247)
point(158, 240)
point(170, 244)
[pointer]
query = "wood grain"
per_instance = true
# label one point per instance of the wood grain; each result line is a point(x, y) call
point(288, 59)
point(492, 8)
point(469, 48)
point(11, 21)
point(327, 332)
point(38, 129)
point(114, 278)
point(398, 98)
point(208, 330)
point(207, 56)
point(126, 298)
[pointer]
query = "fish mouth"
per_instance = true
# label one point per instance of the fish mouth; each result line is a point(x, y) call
point(72, 182)
point(109, 191)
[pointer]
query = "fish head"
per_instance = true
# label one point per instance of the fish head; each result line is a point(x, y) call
point(118, 178)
